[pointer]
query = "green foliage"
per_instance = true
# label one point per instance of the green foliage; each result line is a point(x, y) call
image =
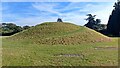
point(91, 18)
point(92, 23)
point(113, 26)
point(100, 27)
point(26, 27)
point(10, 28)
point(98, 21)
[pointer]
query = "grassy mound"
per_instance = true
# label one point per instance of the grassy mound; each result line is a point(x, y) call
point(60, 33)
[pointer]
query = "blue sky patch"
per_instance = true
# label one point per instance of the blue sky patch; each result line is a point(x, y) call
point(33, 13)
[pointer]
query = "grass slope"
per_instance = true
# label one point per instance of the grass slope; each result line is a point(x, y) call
point(80, 47)
point(60, 33)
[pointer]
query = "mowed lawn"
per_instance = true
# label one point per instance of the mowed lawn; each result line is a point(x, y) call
point(23, 53)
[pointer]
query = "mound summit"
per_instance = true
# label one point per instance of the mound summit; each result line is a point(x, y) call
point(53, 33)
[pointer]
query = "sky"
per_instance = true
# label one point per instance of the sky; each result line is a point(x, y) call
point(33, 13)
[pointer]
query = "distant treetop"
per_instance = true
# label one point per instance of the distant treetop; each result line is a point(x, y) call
point(59, 20)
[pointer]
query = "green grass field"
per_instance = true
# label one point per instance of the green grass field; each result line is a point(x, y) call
point(59, 44)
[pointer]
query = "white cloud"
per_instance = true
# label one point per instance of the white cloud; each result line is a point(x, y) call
point(104, 14)
point(74, 16)
point(48, 7)
point(102, 10)
point(34, 20)
point(76, 19)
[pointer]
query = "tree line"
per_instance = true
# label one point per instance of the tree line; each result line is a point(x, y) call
point(7, 29)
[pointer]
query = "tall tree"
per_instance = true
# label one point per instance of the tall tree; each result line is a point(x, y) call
point(92, 22)
point(113, 26)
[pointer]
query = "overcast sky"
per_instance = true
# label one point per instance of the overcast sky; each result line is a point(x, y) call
point(32, 13)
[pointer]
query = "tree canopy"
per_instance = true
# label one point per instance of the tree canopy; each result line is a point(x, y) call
point(59, 20)
point(113, 26)
point(92, 22)
point(7, 29)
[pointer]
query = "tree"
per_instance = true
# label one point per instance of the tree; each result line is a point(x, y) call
point(92, 23)
point(98, 21)
point(26, 27)
point(59, 20)
point(113, 26)
point(90, 18)
point(7, 29)
point(3, 23)
point(0, 25)
point(18, 29)
point(10, 28)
